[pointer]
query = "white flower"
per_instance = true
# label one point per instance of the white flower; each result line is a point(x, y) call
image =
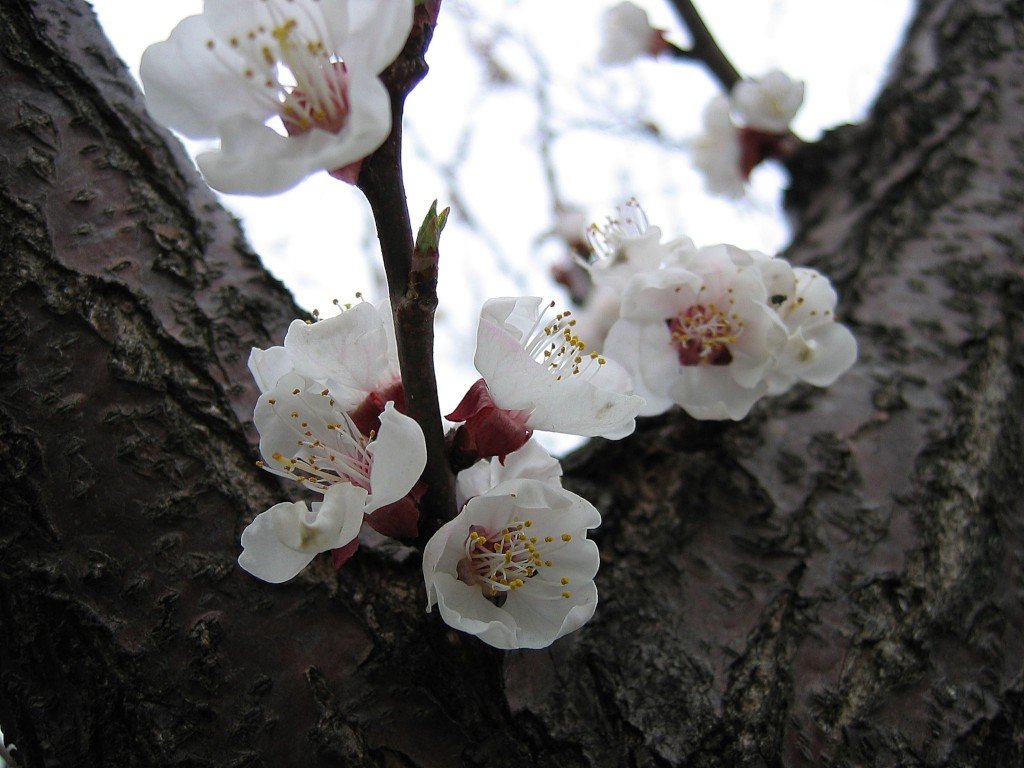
point(353, 354)
point(817, 349)
point(308, 66)
point(626, 245)
point(305, 436)
point(698, 336)
point(768, 103)
point(515, 567)
point(717, 152)
point(725, 328)
point(529, 462)
point(283, 540)
point(543, 370)
point(627, 34)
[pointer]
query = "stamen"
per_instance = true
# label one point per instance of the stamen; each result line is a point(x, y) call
point(506, 560)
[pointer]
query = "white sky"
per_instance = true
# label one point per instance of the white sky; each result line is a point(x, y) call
point(316, 237)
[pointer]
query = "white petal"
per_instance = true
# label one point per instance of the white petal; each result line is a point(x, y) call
point(263, 554)
point(352, 351)
point(283, 540)
point(543, 621)
point(463, 607)
point(658, 295)
point(710, 392)
point(531, 461)
point(377, 32)
point(834, 350)
point(283, 161)
point(588, 405)
point(399, 456)
point(279, 430)
point(269, 365)
point(332, 523)
point(192, 88)
point(646, 351)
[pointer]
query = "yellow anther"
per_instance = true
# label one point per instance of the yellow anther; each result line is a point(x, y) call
point(548, 539)
point(567, 595)
point(566, 537)
point(565, 581)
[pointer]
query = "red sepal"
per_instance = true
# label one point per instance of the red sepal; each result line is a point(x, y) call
point(366, 416)
point(399, 520)
point(341, 555)
point(488, 430)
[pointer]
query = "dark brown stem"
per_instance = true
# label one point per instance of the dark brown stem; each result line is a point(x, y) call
point(413, 294)
point(704, 48)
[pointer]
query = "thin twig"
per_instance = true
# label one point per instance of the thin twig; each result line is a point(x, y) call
point(704, 49)
point(413, 299)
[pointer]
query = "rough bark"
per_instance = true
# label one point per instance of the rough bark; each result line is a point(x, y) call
point(835, 581)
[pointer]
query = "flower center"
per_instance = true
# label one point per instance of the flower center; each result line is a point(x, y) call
point(327, 452)
point(607, 241)
point(503, 561)
point(560, 350)
point(291, 69)
point(701, 334)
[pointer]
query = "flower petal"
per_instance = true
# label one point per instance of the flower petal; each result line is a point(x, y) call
point(399, 456)
point(269, 365)
point(263, 554)
point(191, 87)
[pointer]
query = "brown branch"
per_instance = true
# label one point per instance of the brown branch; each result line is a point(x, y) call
point(705, 48)
point(413, 295)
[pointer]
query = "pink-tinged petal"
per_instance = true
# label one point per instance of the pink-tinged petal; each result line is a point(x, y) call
point(399, 456)
point(263, 554)
point(284, 161)
point(563, 389)
point(268, 366)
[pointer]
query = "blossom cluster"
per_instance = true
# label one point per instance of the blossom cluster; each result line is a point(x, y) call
point(290, 87)
point(712, 329)
point(515, 566)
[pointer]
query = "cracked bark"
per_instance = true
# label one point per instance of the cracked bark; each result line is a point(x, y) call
point(835, 581)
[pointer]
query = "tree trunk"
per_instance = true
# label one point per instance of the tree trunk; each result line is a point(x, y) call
point(837, 580)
